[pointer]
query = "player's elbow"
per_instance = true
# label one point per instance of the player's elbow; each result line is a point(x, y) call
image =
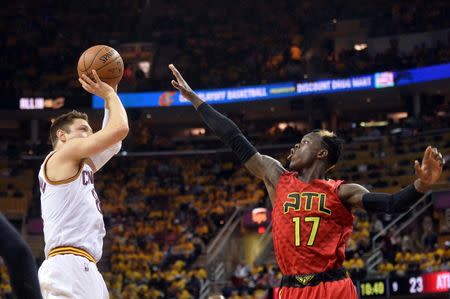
point(116, 147)
point(121, 132)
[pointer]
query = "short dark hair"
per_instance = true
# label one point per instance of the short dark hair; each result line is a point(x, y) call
point(63, 122)
point(332, 143)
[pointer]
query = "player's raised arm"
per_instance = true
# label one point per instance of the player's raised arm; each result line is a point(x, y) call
point(428, 174)
point(262, 166)
point(115, 130)
point(100, 159)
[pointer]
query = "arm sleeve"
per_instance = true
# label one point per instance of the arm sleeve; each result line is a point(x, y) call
point(399, 202)
point(20, 262)
point(227, 131)
point(102, 158)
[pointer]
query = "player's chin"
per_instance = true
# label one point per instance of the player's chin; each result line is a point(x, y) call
point(293, 164)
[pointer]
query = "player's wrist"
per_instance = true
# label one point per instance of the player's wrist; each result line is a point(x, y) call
point(196, 100)
point(108, 97)
point(420, 186)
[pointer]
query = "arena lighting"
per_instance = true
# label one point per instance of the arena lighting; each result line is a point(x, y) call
point(374, 124)
point(396, 116)
point(197, 131)
point(144, 66)
point(259, 215)
point(360, 47)
point(282, 126)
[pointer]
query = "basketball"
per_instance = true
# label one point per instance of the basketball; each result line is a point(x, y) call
point(105, 60)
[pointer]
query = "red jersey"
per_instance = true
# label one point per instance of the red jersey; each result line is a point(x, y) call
point(310, 225)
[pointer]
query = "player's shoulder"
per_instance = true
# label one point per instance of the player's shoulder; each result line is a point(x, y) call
point(333, 184)
point(58, 169)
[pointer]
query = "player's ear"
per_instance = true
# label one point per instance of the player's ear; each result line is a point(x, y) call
point(322, 154)
point(61, 134)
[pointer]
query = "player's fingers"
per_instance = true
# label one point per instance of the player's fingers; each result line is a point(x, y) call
point(176, 73)
point(417, 168)
point(427, 153)
point(83, 82)
point(87, 79)
point(87, 88)
point(96, 77)
point(175, 84)
point(435, 151)
point(85, 85)
point(436, 155)
point(440, 159)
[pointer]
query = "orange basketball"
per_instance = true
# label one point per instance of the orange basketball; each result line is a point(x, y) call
point(105, 60)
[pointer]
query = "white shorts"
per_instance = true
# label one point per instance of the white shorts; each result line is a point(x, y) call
point(70, 276)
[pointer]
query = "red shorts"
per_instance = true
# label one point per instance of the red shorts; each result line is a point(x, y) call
point(338, 289)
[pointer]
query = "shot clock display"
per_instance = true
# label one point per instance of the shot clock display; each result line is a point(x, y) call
point(373, 288)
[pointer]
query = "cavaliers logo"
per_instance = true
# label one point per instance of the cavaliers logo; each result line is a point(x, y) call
point(166, 99)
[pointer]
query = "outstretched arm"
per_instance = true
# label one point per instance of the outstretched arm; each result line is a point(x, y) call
point(20, 262)
point(358, 197)
point(263, 167)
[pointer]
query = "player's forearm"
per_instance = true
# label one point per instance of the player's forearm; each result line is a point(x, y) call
point(392, 203)
point(118, 120)
point(227, 131)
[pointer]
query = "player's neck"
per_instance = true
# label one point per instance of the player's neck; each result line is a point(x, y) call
point(316, 171)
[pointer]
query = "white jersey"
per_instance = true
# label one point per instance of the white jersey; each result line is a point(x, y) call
point(71, 212)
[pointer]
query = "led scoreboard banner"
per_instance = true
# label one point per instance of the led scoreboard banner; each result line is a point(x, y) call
point(429, 283)
point(285, 90)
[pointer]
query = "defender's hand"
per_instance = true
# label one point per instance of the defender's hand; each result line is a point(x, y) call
point(431, 169)
point(98, 88)
point(181, 84)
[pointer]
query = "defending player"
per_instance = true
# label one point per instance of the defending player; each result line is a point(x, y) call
point(20, 262)
point(312, 217)
point(73, 222)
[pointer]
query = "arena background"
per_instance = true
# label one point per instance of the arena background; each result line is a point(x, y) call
point(184, 219)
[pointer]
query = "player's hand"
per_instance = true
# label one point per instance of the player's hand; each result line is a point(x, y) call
point(431, 169)
point(96, 86)
point(181, 84)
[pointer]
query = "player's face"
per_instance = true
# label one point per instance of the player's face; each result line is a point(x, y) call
point(79, 129)
point(305, 152)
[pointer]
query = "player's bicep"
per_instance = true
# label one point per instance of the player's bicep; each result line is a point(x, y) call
point(265, 168)
point(352, 195)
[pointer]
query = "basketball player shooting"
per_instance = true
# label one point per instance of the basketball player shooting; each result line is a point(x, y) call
point(312, 217)
point(73, 222)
